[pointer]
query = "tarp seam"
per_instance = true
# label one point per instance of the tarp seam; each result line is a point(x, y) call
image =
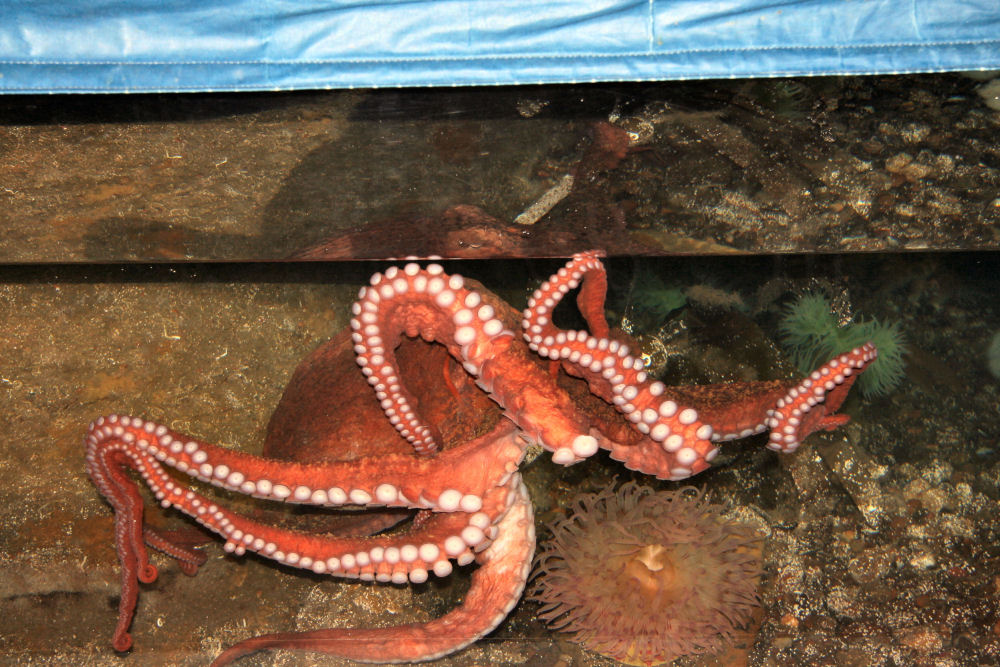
point(457, 58)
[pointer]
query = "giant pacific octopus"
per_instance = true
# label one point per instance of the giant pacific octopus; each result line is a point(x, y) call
point(435, 452)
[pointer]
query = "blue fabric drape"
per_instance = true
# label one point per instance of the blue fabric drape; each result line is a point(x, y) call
point(185, 45)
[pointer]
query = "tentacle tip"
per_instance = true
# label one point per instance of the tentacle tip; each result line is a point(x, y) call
point(122, 642)
point(147, 574)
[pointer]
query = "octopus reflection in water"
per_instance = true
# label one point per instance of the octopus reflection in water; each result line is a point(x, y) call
point(471, 502)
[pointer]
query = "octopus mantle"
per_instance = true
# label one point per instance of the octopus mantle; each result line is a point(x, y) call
point(472, 505)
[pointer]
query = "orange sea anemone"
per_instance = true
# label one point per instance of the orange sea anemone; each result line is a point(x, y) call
point(645, 577)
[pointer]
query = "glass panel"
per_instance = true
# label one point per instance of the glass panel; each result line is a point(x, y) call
point(773, 166)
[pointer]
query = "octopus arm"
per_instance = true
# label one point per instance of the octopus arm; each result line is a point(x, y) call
point(119, 444)
point(496, 587)
point(461, 470)
point(736, 409)
point(790, 410)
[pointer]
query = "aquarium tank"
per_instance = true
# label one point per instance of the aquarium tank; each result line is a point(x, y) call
point(522, 333)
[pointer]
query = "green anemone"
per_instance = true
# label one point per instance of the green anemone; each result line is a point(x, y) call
point(811, 335)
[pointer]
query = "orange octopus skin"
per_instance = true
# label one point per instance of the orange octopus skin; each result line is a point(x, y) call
point(465, 485)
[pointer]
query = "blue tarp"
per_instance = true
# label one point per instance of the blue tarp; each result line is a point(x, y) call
point(97, 46)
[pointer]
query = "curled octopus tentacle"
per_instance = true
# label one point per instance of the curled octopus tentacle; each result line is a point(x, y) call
point(468, 521)
point(684, 444)
point(496, 587)
point(429, 303)
point(678, 426)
